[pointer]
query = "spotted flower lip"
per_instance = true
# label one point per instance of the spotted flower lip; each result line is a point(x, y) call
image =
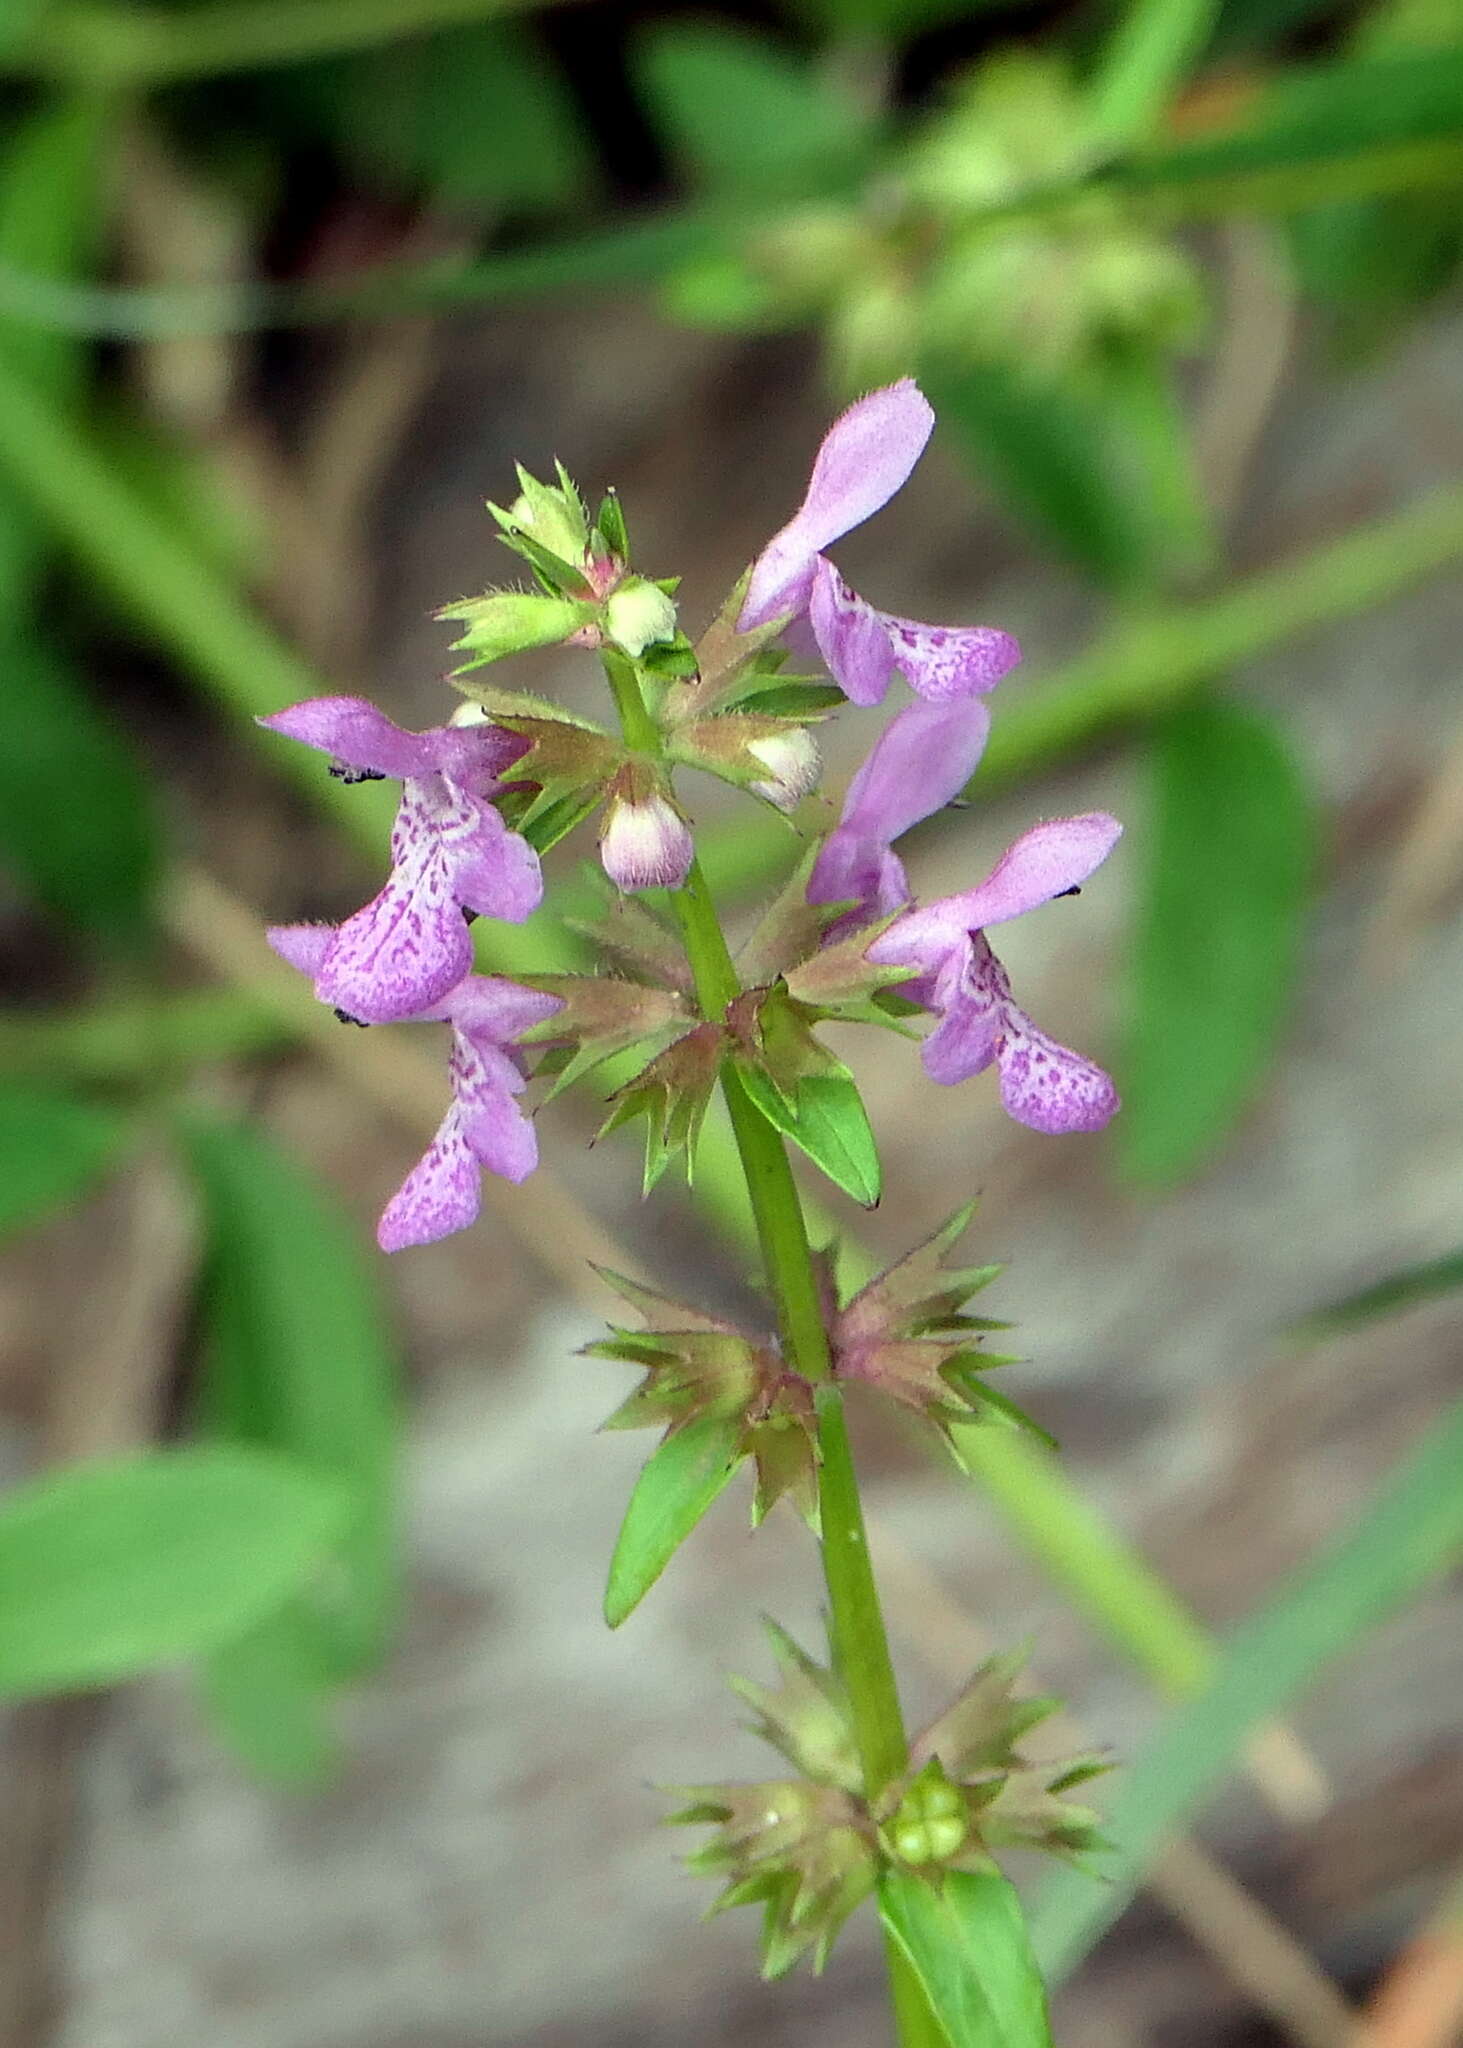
point(866, 456)
point(1043, 1084)
point(450, 853)
point(484, 1129)
point(922, 760)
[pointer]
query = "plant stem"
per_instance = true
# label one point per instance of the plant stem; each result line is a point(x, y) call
point(860, 1643)
point(140, 46)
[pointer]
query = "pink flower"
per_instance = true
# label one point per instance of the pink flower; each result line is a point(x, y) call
point(866, 456)
point(450, 853)
point(1043, 1084)
point(923, 758)
point(484, 1130)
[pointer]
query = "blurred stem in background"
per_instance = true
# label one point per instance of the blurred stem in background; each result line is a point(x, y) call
point(143, 46)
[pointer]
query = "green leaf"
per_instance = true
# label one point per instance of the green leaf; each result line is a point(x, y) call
point(298, 1359)
point(266, 1692)
point(78, 827)
point(677, 1485)
point(473, 119)
point(49, 225)
point(53, 1148)
point(109, 1569)
point(1401, 106)
point(1411, 1532)
point(829, 1123)
point(1400, 1290)
point(967, 1944)
point(1059, 457)
point(744, 113)
point(1219, 929)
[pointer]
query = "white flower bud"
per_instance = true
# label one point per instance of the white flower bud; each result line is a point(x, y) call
point(637, 615)
point(793, 759)
point(645, 843)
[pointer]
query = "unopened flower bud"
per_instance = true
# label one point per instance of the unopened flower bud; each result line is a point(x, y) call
point(793, 759)
point(553, 514)
point(645, 843)
point(637, 615)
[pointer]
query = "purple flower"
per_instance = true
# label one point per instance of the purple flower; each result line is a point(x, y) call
point(866, 455)
point(484, 1130)
point(923, 758)
point(450, 853)
point(1043, 1084)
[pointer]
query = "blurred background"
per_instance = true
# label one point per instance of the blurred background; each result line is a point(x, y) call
point(312, 1734)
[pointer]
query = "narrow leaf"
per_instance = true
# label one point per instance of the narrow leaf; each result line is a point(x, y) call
point(1399, 1290)
point(1230, 856)
point(49, 225)
point(1411, 1531)
point(967, 1944)
point(1314, 117)
point(109, 1569)
point(298, 1356)
point(677, 1485)
point(53, 1148)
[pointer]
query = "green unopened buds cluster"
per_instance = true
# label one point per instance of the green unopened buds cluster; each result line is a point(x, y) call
point(587, 594)
point(931, 1823)
point(810, 1849)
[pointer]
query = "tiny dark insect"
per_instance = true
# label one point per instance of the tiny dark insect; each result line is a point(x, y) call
point(346, 1018)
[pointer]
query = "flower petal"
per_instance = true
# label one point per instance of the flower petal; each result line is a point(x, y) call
point(484, 1083)
point(441, 1194)
point(410, 944)
point(494, 871)
point(924, 757)
point(967, 993)
point(355, 732)
point(1047, 1085)
point(854, 867)
point(1043, 863)
point(303, 945)
point(865, 457)
point(851, 637)
point(489, 1008)
point(944, 662)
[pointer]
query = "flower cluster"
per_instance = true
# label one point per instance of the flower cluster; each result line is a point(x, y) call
point(507, 775)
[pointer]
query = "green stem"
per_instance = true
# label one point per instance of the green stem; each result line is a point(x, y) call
point(860, 1642)
point(141, 46)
